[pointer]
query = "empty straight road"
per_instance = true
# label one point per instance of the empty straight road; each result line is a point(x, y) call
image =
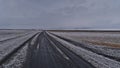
point(42, 49)
point(49, 53)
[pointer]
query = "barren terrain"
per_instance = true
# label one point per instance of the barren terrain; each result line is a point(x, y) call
point(59, 49)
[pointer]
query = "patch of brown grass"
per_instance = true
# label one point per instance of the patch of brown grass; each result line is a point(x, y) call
point(115, 45)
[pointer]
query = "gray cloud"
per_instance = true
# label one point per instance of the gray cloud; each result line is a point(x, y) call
point(59, 13)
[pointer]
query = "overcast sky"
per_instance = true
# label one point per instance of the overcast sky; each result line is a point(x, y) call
point(60, 14)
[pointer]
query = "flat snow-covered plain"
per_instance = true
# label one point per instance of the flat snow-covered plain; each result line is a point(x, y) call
point(112, 37)
point(101, 56)
point(9, 41)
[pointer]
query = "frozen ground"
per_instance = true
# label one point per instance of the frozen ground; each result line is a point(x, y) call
point(99, 61)
point(11, 40)
point(106, 37)
point(36, 49)
point(81, 36)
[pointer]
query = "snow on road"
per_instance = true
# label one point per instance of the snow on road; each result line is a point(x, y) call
point(98, 61)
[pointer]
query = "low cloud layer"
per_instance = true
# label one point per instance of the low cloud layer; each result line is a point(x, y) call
point(60, 14)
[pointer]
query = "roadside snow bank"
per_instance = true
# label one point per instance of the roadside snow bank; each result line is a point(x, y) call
point(97, 60)
point(101, 49)
point(9, 46)
point(17, 60)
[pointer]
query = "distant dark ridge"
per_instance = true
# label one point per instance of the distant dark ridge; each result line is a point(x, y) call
point(20, 29)
point(84, 30)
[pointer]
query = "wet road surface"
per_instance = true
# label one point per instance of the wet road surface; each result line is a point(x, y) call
point(49, 53)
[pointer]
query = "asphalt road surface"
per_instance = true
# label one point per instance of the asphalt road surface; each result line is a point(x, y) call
point(49, 53)
point(44, 49)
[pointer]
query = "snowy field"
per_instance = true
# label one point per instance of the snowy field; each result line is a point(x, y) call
point(11, 40)
point(99, 55)
point(105, 37)
point(101, 49)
